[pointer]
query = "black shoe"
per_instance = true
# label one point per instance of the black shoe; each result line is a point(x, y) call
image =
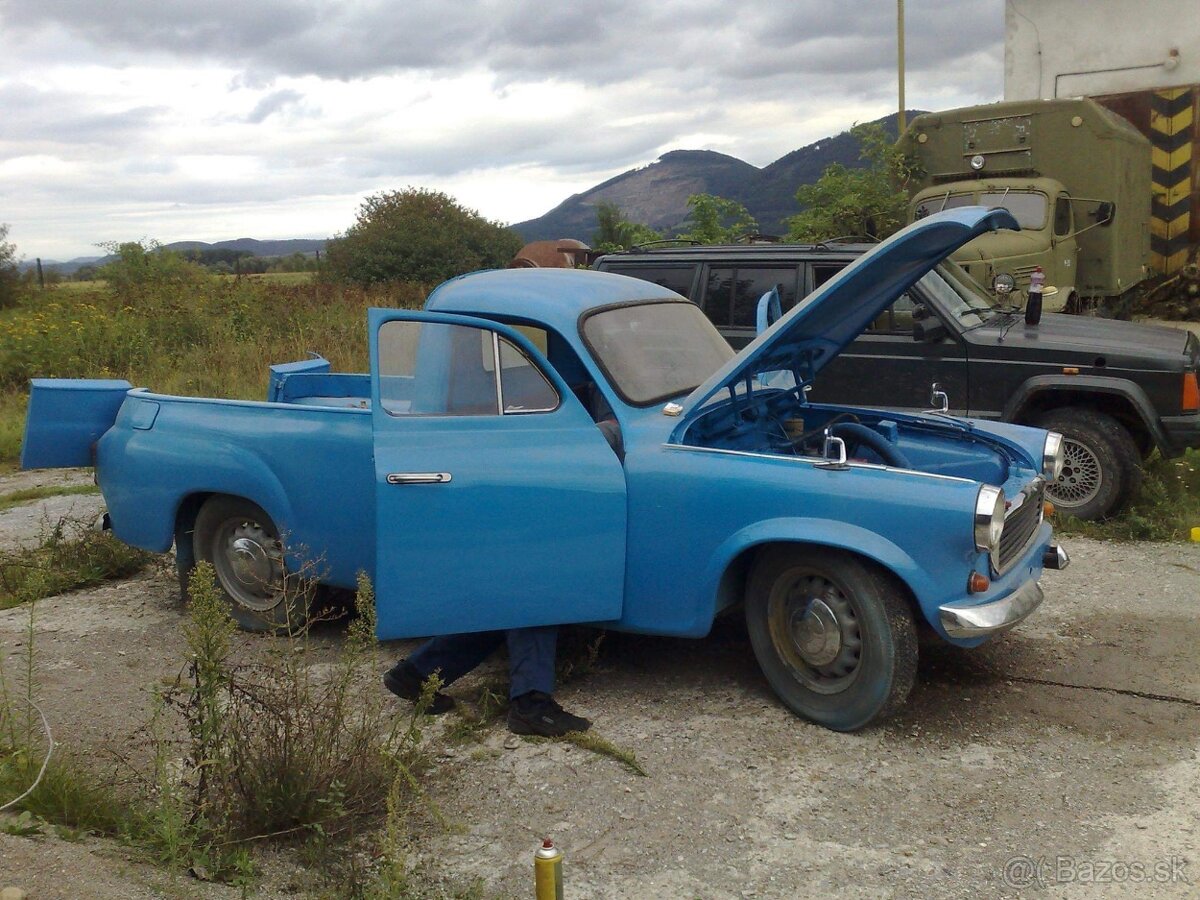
point(537, 713)
point(405, 681)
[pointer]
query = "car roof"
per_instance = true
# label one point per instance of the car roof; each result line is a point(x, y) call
point(555, 297)
point(765, 251)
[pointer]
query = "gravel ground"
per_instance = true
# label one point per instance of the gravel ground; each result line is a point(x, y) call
point(1059, 760)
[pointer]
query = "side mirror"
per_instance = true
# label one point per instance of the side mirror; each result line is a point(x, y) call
point(770, 309)
point(1104, 214)
point(929, 331)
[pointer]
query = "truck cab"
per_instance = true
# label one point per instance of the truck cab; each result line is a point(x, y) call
point(1005, 261)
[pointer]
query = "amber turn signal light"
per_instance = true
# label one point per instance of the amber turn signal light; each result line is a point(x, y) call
point(977, 583)
point(1048, 509)
point(1191, 392)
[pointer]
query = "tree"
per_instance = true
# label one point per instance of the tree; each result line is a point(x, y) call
point(614, 232)
point(417, 235)
point(716, 220)
point(868, 202)
point(10, 276)
point(139, 267)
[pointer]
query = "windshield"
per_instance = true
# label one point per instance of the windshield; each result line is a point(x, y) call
point(959, 294)
point(655, 350)
point(1028, 209)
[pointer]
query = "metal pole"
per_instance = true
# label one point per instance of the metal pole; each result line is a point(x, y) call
point(900, 125)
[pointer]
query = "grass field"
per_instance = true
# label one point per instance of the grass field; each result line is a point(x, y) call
point(203, 336)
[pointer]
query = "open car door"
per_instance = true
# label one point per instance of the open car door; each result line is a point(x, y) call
point(499, 503)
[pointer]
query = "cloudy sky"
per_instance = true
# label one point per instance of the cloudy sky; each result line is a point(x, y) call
point(171, 120)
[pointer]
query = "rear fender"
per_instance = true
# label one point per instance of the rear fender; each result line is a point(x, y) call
point(65, 419)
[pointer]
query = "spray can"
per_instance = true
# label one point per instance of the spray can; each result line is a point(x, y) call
point(1033, 307)
point(547, 872)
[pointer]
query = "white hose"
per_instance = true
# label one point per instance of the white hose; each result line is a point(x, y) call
point(45, 762)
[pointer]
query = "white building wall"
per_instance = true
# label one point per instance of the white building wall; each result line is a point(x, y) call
point(1085, 48)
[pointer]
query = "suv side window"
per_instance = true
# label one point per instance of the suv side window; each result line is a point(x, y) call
point(678, 278)
point(896, 319)
point(731, 294)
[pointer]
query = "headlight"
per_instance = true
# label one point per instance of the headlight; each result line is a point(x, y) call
point(1052, 456)
point(989, 521)
point(1004, 283)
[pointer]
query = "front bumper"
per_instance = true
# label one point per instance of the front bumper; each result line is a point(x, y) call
point(965, 620)
point(1182, 432)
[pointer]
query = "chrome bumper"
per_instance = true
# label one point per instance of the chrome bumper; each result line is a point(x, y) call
point(962, 620)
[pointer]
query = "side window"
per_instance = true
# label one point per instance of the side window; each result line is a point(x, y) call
point(731, 294)
point(674, 278)
point(718, 296)
point(751, 283)
point(436, 369)
point(1062, 216)
point(822, 272)
point(522, 385)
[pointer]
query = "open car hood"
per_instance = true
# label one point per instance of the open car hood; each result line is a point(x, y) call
point(824, 322)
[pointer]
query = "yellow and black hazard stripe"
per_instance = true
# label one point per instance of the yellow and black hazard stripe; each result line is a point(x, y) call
point(1172, 133)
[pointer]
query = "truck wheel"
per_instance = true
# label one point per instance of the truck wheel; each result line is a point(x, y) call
point(834, 637)
point(242, 543)
point(1102, 470)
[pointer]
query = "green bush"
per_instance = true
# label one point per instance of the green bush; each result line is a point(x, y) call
point(417, 235)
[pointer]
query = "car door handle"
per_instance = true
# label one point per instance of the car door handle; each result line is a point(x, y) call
point(418, 477)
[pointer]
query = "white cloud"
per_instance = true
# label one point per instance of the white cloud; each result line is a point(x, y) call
point(184, 120)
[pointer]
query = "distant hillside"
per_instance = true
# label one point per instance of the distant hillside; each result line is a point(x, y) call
point(254, 247)
point(266, 249)
point(656, 195)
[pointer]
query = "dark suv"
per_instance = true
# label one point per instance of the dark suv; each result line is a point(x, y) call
point(1117, 391)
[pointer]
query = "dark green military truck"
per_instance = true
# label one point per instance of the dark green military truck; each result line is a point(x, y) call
point(1076, 176)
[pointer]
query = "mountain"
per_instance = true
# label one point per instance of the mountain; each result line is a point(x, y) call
point(255, 247)
point(252, 246)
point(656, 194)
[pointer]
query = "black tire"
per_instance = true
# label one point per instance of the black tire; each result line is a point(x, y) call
point(1103, 470)
point(843, 664)
point(242, 543)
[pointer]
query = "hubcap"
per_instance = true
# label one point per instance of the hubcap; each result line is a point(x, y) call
point(815, 631)
point(249, 564)
point(1081, 476)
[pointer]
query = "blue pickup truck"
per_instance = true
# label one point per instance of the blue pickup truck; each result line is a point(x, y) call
point(552, 446)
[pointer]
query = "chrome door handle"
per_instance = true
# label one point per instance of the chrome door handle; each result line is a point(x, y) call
point(418, 477)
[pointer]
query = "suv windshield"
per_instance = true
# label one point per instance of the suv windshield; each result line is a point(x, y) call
point(960, 294)
point(655, 350)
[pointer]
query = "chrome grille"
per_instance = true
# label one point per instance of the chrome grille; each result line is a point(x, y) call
point(1021, 522)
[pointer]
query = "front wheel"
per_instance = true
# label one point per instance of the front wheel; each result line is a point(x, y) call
point(242, 543)
point(1102, 469)
point(834, 636)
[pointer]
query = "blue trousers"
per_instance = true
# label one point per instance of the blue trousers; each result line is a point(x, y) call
point(530, 657)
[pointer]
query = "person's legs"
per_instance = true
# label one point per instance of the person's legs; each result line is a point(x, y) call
point(451, 657)
point(532, 709)
point(454, 655)
point(531, 659)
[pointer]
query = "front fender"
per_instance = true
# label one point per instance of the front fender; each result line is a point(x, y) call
point(821, 532)
point(1127, 390)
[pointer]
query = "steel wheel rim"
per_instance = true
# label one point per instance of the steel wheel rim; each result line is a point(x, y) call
point(1081, 476)
point(816, 631)
point(248, 561)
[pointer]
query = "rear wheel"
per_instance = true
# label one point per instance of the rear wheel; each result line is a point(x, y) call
point(242, 543)
point(1102, 465)
point(834, 637)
